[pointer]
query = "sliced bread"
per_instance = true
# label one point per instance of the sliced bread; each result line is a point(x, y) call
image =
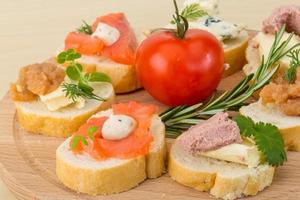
point(289, 126)
point(86, 175)
point(222, 179)
point(36, 118)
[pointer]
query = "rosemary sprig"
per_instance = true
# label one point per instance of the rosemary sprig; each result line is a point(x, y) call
point(85, 28)
point(180, 118)
point(290, 73)
point(74, 72)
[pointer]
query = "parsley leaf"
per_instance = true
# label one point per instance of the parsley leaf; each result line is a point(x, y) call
point(76, 139)
point(290, 73)
point(267, 139)
point(192, 12)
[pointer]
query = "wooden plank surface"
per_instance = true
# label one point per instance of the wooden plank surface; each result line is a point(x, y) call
point(32, 29)
point(28, 165)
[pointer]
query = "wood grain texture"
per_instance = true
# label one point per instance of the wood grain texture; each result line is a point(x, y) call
point(28, 165)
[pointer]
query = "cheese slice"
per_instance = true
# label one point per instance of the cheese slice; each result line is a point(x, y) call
point(265, 42)
point(238, 153)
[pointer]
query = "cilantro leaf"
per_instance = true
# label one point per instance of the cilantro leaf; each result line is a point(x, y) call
point(76, 139)
point(245, 124)
point(267, 139)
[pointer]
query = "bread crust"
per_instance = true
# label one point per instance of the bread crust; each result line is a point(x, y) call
point(124, 77)
point(57, 127)
point(220, 186)
point(101, 181)
point(235, 55)
point(117, 178)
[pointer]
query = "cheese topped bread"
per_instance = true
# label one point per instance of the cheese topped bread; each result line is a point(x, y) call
point(115, 165)
point(213, 157)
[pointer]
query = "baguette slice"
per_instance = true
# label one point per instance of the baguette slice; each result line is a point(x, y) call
point(222, 179)
point(289, 126)
point(36, 118)
point(124, 78)
point(86, 175)
point(234, 50)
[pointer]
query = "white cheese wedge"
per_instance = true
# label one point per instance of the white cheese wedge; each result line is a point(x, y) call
point(265, 42)
point(237, 153)
point(108, 34)
point(57, 99)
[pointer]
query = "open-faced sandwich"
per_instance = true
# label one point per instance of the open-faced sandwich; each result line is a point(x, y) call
point(202, 14)
point(114, 150)
point(53, 101)
point(227, 158)
point(280, 99)
point(109, 46)
point(261, 44)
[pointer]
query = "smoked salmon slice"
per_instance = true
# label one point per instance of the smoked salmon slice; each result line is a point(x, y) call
point(84, 44)
point(122, 51)
point(136, 144)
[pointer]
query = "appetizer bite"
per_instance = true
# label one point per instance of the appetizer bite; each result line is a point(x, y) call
point(203, 14)
point(53, 101)
point(279, 100)
point(226, 158)
point(108, 45)
point(260, 45)
point(114, 150)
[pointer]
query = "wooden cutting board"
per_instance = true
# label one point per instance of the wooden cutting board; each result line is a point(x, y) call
point(27, 164)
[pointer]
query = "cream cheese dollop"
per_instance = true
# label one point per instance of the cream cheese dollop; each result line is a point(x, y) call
point(117, 127)
point(108, 34)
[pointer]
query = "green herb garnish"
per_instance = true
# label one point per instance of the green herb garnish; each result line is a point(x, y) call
point(180, 118)
point(75, 72)
point(267, 139)
point(291, 72)
point(76, 139)
point(85, 28)
point(193, 12)
point(91, 131)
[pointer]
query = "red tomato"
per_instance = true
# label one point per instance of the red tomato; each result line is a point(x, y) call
point(180, 71)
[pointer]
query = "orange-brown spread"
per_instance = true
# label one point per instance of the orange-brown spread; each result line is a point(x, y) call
point(36, 79)
point(283, 94)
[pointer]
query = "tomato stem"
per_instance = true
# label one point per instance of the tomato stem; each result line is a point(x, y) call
point(181, 23)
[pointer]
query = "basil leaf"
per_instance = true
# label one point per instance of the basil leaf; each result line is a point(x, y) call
point(99, 77)
point(84, 86)
point(73, 73)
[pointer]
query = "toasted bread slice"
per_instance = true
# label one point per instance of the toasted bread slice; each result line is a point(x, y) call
point(124, 78)
point(222, 179)
point(289, 126)
point(86, 175)
point(234, 50)
point(36, 118)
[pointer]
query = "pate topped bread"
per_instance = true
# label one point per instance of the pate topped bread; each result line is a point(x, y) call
point(120, 154)
point(108, 45)
point(54, 102)
point(212, 156)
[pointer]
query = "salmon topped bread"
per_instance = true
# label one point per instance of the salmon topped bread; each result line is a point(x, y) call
point(108, 45)
point(114, 150)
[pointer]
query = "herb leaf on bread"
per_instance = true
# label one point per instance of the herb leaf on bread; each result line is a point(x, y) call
point(290, 73)
point(85, 28)
point(75, 72)
point(267, 139)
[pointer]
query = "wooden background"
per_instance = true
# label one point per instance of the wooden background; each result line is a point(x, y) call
point(31, 30)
